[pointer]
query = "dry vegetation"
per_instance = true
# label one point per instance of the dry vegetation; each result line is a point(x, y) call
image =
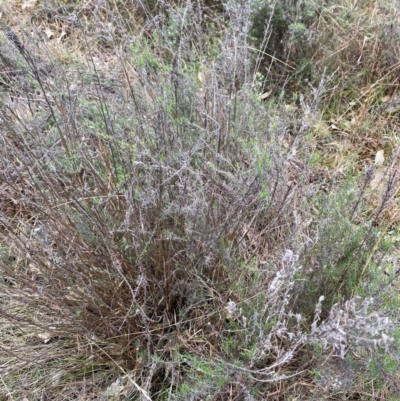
point(199, 200)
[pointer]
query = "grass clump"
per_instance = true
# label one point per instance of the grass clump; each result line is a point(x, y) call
point(163, 232)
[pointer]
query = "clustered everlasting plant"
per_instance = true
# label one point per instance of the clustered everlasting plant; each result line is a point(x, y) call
point(165, 231)
point(351, 325)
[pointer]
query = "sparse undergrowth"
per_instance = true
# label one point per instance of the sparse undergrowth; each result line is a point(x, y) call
point(165, 234)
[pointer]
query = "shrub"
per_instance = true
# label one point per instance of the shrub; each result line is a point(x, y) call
point(154, 236)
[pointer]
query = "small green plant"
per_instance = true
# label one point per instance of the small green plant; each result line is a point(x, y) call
point(340, 256)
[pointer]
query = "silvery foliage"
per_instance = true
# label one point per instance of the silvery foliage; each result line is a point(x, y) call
point(351, 325)
point(286, 326)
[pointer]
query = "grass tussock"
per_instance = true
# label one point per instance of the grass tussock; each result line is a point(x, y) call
point(174, 224)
